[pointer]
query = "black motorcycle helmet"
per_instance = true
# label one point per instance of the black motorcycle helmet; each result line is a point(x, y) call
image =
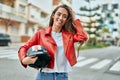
point(42, 54)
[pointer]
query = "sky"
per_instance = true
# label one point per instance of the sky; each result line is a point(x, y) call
point(43, 4)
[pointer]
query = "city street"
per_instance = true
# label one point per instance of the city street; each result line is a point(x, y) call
point(98, 64)
point(93, 64)
point(68, 21)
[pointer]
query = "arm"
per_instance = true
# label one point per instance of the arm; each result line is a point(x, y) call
point(80, 35)
point(23, 50)
point(79, 47)
point(29, 60)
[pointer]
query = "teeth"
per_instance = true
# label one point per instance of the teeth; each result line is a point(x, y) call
point(60, 21)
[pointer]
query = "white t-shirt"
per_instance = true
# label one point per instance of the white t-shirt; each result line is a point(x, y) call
point(61, 63)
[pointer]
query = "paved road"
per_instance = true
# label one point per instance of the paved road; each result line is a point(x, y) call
point(10, 67)
point(90, 66)
point(98, 64)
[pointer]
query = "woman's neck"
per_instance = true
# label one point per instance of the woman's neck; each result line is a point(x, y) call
point(56, 29)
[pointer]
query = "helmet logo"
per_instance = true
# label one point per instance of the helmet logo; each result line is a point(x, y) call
point(36, 48)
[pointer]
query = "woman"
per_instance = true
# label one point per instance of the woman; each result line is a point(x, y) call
point(59, 38)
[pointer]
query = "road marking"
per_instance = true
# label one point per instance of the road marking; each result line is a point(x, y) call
point(101, 64)
point(7, 51)
point(80, 58)
point(115, 67)
point(13, 56)
point(9, 56)
point(86, 62)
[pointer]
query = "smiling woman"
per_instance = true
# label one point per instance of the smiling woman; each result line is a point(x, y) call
point(60, 18)
point(67, 14)
point(58, 39)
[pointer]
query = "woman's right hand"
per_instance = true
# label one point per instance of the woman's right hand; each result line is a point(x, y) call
point(29, 60)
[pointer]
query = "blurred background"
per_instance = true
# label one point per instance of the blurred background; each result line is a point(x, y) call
point(20, 19)
point(101, 19)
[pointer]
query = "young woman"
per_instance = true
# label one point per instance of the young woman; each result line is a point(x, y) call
point(58, 38)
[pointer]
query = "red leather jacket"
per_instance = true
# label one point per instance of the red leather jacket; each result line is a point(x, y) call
point(44, 38)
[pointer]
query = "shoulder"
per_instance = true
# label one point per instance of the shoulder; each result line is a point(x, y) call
point(43, 29)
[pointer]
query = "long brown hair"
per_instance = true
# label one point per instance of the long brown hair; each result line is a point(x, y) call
point(68, 26)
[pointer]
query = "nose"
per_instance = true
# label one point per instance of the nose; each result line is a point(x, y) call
point(61, 17)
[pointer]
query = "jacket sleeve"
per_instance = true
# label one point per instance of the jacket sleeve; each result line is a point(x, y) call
point(22, 55)
point(80, 35)
point(23, 49)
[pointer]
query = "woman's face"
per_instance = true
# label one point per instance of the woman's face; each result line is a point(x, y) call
point(60, 17)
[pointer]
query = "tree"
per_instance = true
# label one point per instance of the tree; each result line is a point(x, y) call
point(94, 25)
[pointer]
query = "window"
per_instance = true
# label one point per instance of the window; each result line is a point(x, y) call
point(115, 29)
point(115, 6)
point(116, 14)
point(22, 8)
point(112, 22)
point(43, 14)
point(32, 16)
point(105, 7)
point(108, 15)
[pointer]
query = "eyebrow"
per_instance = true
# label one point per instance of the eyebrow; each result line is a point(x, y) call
point(61, 13)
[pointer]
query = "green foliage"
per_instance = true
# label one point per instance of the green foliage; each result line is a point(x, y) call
point(105, 30)
point(89, 45)
point(98, 45)
point(90, 9)
point(91, 41)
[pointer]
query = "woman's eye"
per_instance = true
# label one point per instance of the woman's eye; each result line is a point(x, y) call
point(60, 14)
point(65, 16)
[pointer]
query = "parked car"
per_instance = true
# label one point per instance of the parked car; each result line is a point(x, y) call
point(5, 39)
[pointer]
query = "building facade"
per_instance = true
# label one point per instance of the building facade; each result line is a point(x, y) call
point(10, 19)
point(22, 18)
point(109, 11)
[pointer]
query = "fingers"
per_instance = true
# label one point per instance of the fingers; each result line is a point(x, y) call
point(33, 59)
point(29, 60)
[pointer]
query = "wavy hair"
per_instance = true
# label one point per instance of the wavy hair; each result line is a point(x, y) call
point(68, 26)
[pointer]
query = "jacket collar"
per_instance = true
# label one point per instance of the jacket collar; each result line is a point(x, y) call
point(65, 34)
point(48, 30)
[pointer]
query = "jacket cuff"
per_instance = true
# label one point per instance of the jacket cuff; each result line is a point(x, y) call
point(22, 55)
